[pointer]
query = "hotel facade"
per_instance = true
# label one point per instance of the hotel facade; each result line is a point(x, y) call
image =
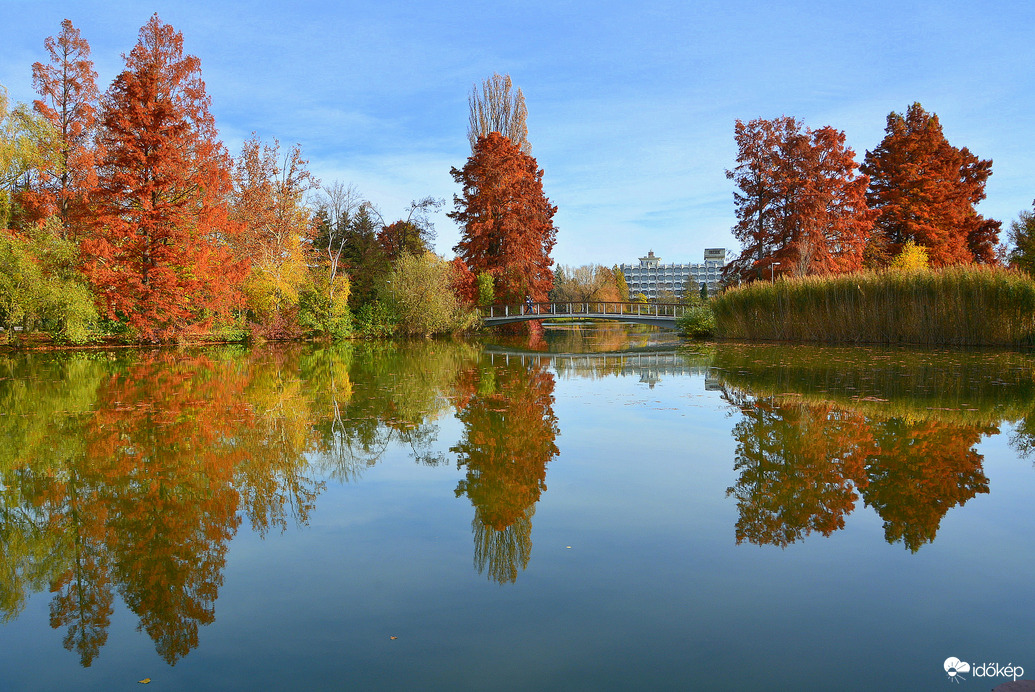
point(651, 278)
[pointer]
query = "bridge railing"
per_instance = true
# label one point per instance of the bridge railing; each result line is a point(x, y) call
point(589, 308)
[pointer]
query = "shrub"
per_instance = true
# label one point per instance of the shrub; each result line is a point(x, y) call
point(374, 320)
point(421, 297)
point(698, 321)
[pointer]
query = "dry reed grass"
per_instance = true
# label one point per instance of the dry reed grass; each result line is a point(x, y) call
point(961, 306)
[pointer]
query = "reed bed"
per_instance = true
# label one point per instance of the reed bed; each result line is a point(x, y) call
point(959, 306)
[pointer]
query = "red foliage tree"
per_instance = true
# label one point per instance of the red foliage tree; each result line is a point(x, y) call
point(800, 203)
point(463, 281)
point(510, 430)
point(158, 256)
point(68, 90)
point(925, 190)
point(507, 221)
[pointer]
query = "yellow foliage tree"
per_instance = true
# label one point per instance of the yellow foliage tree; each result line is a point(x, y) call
point(913, 257)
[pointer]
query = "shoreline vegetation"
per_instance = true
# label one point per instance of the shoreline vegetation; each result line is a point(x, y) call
point(955, 306)
point(125, 220)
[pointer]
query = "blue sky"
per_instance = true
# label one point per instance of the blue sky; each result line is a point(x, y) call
point(631, 105)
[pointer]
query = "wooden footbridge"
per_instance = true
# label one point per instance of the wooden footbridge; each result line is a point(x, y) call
point(658, 314)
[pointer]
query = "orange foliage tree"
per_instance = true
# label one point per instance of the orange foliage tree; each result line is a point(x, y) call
point(925, 190)
point(800, 203)
point(157, 255)
point(800, 467)
point(919, 472)
point(507, 220)
point(413, 235)
point(510, 431)
point(68, 90)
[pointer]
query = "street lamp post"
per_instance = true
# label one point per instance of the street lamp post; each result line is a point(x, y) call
point(772, 271)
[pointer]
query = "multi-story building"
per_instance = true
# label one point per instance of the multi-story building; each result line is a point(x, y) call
point(651, 278)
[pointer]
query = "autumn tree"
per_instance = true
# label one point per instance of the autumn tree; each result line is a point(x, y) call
point(68, 101)
point(277, 227)
point(158, 255)
point(506, 219)
point(420, 292)
point(620, 283)
point(413, 235)
point(800, 204)
point(497, 109)
point(28, 144)
point(1022, 238)
point(924, 189)
point(585, 283)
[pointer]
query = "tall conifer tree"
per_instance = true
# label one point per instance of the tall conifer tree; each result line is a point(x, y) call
point(925, 190)
point(507, 220)
point(158, 255)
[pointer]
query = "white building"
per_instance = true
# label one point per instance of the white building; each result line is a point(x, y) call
point(650, 277)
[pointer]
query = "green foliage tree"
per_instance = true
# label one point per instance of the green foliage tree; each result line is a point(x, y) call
point(40, 287)
point(486, 292)
point(1022, 238)
point(363, 257)
point(419, 292)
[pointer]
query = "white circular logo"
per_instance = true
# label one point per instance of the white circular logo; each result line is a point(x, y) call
point(954, 667)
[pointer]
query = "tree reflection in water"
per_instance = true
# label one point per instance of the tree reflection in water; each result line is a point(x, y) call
point(508, 438)
point(138, 480)
point(802, 467)
point(896, 428)
point(129, 473)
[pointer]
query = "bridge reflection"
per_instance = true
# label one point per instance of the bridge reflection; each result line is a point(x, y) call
point(649, 365)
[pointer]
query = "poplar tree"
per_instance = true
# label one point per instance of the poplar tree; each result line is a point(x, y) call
point(498, 109)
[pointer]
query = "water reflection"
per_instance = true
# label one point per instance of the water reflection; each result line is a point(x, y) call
point(896, 428)
point(127, 474)
point(508, 438)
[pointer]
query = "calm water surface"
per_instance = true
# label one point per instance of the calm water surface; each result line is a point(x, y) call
point(604, 508)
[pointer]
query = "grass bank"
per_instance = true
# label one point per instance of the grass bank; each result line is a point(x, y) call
point(961, 306)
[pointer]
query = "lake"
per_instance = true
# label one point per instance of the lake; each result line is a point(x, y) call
point(602, 507)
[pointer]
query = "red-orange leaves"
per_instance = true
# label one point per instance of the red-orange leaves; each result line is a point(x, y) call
point(925, 190)
point(68, 101)
point(158, 255)
point(507, 221)
point(801, 206)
